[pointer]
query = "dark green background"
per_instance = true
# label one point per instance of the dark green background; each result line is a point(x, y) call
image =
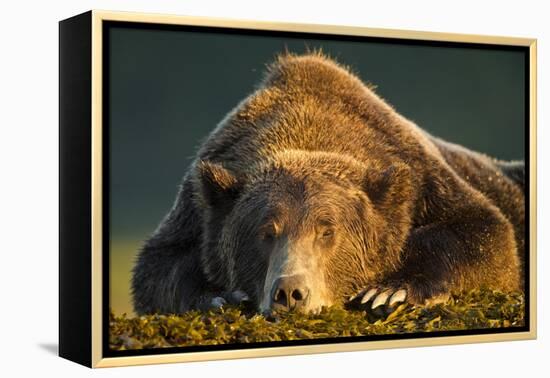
point(169, 88)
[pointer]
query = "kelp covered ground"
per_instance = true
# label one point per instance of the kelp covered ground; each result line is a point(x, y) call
point(471, 310)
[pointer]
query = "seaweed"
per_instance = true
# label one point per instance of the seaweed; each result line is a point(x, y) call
point(477, 309)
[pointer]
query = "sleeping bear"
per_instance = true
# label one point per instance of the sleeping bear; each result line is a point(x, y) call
point(315, 192)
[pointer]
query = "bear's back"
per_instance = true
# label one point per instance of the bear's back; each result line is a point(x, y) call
point(310, 103)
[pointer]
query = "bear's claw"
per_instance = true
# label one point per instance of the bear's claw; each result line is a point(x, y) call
point(238, 297)
point(217, 302)
point(368, 295)
point(398, 297)
point(381, 299)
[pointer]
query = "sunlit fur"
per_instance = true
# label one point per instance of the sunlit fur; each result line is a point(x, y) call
point(313, 147)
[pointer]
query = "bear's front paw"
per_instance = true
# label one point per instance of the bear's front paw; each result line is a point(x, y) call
point(236, 298)
point(217, 302)
point(380, 300)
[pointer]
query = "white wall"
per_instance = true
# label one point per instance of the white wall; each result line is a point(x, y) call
point(28, 200)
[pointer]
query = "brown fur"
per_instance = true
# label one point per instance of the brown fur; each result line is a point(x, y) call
point(314, 149)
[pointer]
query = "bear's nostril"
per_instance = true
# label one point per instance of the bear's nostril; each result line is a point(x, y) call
point(297, 295)
point(280, 297)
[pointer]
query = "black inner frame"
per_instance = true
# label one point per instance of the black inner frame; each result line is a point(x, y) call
point(107, 352)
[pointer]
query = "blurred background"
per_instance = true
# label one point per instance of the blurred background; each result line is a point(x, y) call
point(169, 88)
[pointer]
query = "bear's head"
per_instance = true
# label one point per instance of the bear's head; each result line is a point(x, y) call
point(304, 229)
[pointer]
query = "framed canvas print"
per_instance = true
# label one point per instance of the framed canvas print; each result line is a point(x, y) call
point(236, 188)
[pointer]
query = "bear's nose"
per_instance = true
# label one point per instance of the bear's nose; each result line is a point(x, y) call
point(289, 293)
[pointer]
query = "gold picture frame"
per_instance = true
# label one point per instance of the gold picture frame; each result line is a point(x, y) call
point(81, 42)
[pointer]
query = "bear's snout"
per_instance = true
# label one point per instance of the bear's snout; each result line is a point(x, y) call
point(290, 293)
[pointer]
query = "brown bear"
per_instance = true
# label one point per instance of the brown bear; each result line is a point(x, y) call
point(313, 192)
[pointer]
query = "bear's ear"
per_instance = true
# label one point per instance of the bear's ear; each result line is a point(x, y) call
point(219, 187)
point(390, 186)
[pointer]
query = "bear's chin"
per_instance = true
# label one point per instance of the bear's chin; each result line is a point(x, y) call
point(312, 308)
point(272, 312)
